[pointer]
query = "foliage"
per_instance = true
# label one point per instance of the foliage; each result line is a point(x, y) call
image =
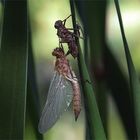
point(98, 69)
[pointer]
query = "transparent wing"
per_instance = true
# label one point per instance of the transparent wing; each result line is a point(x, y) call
point(58, 100)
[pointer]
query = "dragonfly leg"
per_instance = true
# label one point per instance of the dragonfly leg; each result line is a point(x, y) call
point(68, 52)
point(68, 78)
point(75, 78)
point(73, 74)
point(60, 45)
point(78, 36)
point(73, 29)
point(78, 27)
point(61, 41)
point(71, 79)
point(87, 81)
point(66, 19)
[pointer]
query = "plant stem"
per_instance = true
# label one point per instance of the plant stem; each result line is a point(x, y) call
point(96, 126)
point(134, 81)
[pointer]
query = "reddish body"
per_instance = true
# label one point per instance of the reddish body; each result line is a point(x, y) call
point(76, 98)
point(66, 37)
point(62, 66)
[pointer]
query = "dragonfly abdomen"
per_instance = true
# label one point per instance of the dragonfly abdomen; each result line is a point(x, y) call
point(76, 99)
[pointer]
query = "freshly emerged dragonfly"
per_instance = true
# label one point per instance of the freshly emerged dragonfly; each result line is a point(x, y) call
point(65, 36)
point(64, 89)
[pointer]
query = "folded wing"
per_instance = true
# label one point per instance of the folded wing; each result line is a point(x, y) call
point(58, 100)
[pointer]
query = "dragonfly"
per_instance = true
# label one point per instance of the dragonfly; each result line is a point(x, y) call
point(63, 90)
point(66, 36)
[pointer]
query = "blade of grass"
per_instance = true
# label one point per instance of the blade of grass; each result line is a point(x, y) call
point(134, 81)
point(95, 123)
point(94, 26)
point(116, 81)
point(13, 70)
point(2, 4)
point(33, 103)
point(114, 78)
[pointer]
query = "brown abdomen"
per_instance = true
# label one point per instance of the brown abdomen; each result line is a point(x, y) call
point(76, 99)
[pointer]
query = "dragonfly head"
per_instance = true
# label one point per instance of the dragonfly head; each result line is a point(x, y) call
point(58, 52)
point(58, 24)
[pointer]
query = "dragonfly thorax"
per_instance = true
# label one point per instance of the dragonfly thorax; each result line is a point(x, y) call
point(62, 66)
point(58, 52)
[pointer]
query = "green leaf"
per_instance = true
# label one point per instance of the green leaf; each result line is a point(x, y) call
point(107, 72)
point(33, 102)
point(134, 80)
point(116, 81)
point(94, 27)
point(13, 70)
point(1, 20)
point(94, 119)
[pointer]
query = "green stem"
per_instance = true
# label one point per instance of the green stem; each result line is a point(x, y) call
point(96, 126)
point(134, 81)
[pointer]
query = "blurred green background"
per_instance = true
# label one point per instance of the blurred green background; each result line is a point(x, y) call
point(43, 14)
